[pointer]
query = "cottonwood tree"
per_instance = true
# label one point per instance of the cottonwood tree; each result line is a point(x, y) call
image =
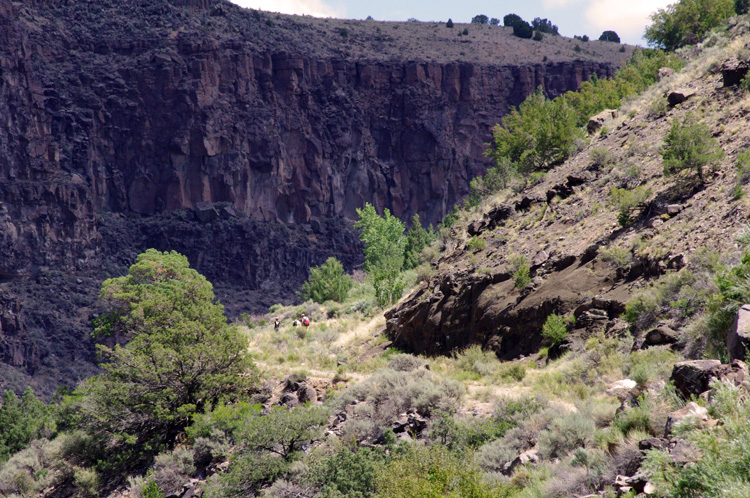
point(327, 282)
point(385, 245)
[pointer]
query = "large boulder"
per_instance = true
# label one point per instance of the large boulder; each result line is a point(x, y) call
point(596, 122)
point(734, 71)
point(738, 338)
point(692, 377)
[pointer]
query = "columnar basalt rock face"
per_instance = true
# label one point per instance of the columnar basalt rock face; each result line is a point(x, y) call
point(108, 142)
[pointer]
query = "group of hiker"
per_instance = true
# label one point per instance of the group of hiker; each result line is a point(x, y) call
point(303, 321)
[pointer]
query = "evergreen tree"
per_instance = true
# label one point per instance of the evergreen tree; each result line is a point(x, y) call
point(610, 36)
point(21, 421)
point(416, 239)
point(180, 357)
point(537, 136)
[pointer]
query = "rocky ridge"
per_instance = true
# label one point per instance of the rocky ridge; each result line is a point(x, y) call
point(582, 262)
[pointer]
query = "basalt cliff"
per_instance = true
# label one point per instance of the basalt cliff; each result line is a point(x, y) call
point(243, 139)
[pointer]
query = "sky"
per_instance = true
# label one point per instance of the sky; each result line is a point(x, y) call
point(628, 18)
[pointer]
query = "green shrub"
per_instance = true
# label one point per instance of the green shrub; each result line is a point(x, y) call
point(565, 435)
point(601, 157)
point(540, 134)
point(87, 482)
point(522, 29)
point(723, 467)
point(349, 473)
point(405, 362)
point(620, 257)
point(743, 237)
point(658, 108)
point(476, 243)
point(390, 393)
point(682, 294)
point(474, 359)
point(686, 22)
point(21, 421)
point(435, 472)
point(627, 202)
point(597, 94)
point(515, 371)
point(326, 282)
point(521, 272)
point(32, 470)
point(494, 180)
point(152, 491)
point(741, 6)
point(449, 24)
point(282, 431)
point(385, 246)
point(742, 176)
point(538, 36)
point(689, 145)
point(555, 329)
point(417, 239)
point(467, 434)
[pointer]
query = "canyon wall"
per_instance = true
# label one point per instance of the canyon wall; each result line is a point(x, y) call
point(250, 161)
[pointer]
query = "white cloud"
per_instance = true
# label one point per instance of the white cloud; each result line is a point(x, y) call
point(317, 8)
point(556, 4)
point(628, 18)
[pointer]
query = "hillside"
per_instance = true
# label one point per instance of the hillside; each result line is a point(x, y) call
point(559, 342)
point(244, 140)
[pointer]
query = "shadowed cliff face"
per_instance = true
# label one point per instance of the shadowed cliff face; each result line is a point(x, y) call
point(167, 124)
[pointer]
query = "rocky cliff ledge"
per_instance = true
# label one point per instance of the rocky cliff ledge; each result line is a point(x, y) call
point(231, 135)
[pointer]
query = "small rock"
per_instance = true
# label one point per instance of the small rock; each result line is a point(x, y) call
point(659, 336)
point(529, 456)
point(679, 96)
point(205, 212)
point(540, 258)
point(663, 73)
point(655, 222)
point(289, 399)
point(622, 389)
point(306, 394)
point(738, 338)
point(691, 412)
point(596, 122)
point(674, 209)
point(735, 372)
point(653, 443)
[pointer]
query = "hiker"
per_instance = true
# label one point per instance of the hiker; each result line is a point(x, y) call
point(305, 321)
point(276, 324)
